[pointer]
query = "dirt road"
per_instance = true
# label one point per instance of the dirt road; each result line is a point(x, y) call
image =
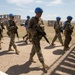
point(13, 64)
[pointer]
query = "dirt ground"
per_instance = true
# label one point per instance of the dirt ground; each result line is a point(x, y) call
point(14, 64)
point(48, 29)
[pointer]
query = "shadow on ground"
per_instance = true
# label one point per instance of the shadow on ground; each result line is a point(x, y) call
point(5, 52)
point(23, 44)
point(67, 65)
point(50, 47)
point(19, 41)
point(59, 52)
point(22, 69)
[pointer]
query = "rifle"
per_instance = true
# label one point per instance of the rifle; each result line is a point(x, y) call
point(40, 30)
point(16, 32)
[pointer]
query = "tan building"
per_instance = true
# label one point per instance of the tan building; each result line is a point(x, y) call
point(17, 18)
point(51, 22)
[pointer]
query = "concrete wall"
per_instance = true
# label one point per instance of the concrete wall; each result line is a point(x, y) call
point(17, 18)
point(51, 22)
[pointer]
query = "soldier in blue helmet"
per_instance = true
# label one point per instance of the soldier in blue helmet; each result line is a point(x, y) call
point(11, 31)
point(68, 29)
point(57, 27)
point(26, 26)
point(1, 31)
point(33, 35)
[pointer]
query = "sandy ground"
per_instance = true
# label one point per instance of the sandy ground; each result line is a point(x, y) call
point(14, 64)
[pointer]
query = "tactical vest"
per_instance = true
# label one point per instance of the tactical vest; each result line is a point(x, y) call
point(12, 26)
point(69, 28)
point(57, 27)
point(31, 29)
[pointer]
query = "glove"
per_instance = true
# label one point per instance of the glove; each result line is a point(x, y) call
point(62, 31)
point(43, 33)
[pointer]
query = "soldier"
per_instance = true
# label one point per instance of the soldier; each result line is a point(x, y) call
point(1, 29)
point(57, 27)
point(2, 24)
point(11, 30)
point(68, 29)
point(26, 26)
point(35, 37)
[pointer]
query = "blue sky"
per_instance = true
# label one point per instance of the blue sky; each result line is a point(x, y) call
point(51, 8)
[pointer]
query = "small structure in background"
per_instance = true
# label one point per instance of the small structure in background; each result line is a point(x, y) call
point(5, 17)
point(51, 22)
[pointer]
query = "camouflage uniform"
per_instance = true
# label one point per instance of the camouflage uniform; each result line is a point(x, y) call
point(26, 25)
point(0, 42)
point(35, 40)
point(57, 27)
point(11, 26)
point(1, 31)
point(0, 35)
point(68, 32)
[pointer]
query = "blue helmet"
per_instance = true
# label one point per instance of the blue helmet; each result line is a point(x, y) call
point(28, 17)
point(11, 15)
point(58, 18)
point(69, 17)
point(38, 10)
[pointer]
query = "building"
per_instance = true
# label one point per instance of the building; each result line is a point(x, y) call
point(5, 17)
point(51, 22)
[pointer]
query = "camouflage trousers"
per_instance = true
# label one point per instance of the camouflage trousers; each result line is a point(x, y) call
point(36, 49)
point(12, 41)
point(67, 40)
point(57, 35)
point(0, 41)
point(26, 35)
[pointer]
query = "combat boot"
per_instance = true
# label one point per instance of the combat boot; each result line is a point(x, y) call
point(23, 38)
point(16, 51)
point(44, 66)
point(65, 49)
point(31, 60)
point(62, 45)
point(26, 42)
point(52, 44)
point(10, 49)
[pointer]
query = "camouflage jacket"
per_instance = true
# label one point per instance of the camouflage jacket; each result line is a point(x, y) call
point(31, 29)
point(11, 26)
point(57, 26)
point(68, 27)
